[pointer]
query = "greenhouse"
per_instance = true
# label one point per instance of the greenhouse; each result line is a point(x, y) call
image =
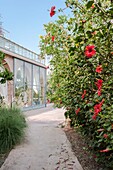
point(28, 87)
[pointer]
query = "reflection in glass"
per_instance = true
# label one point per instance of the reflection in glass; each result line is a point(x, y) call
point(36, 100)
point(19, 82)
point(29, 84)
point(36, 85)
point(35, 75)
point(42, 85)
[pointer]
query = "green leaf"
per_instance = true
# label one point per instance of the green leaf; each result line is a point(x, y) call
point(89, 4)
point(75, 27)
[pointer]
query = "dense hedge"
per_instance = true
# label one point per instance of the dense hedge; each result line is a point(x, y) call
point(82, 70)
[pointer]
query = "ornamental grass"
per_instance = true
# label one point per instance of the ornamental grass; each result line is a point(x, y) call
point(12, 128)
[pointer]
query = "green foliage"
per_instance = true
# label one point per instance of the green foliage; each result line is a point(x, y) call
point(5, 74)
point(12, 125)
point(91, 23)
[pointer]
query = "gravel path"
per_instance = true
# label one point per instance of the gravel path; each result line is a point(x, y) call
point(46, 146)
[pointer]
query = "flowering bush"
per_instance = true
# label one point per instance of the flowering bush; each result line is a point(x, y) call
point(82, 70)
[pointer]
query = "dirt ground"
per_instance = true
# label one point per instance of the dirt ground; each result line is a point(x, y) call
point(80, 149)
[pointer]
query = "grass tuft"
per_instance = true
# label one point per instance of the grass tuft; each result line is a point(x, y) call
point(12, 125)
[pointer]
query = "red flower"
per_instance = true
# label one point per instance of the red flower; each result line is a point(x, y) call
point(105, 150)
point(83, 95)
point(94, 33)
point(53, 38)
point(97, 109)
point(60, 102)
point(83, 21)
point(52, 12)
point(90, 51)
point(105, 136)
point(99, 84)
point(48, 101)
point(93, 6)
point(101, 103)
point(77, 111)
point(94, 117)
point(99, 69)
point(99, 92)
point(94, 156)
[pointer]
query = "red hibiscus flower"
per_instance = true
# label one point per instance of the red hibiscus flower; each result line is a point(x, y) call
point(83, 95)
point(101, 103)
point(83, 21)
point(105, 150)
point(99, 83)
point(53, 38)
point(90, 51)
point(93, 6)
point(99, 92)
point(60, 102)
point(99, 69)
point(77, 111)
point(94, 117)
point(105, 136)
point(97, 109)
point(94, 33)
point(99, 86)
point(94, 156)
point(52, 12)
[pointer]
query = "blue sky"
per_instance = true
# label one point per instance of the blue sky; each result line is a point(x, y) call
point(24, 19)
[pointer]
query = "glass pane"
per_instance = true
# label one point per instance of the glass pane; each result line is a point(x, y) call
point(28, 84)
point(35, 75)
point(19, 73)
point(36, 100)
point(26, 96)
point(36, 86)
point(3, 94)
point(28, 74)
point(42, 85)
point(42, 95)
point(42, 76)
point(19, 82)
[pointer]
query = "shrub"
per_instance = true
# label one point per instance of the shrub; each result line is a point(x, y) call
point(82, 70)
point(12, 125)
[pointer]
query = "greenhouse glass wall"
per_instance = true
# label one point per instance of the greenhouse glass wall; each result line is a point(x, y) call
point(28, 87)
point(29, 84)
